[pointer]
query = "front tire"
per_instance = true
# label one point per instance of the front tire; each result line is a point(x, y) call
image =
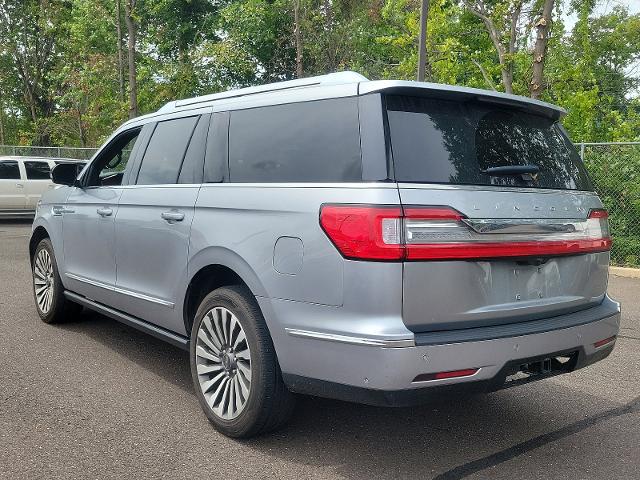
point(234, 366)
point(48, 291)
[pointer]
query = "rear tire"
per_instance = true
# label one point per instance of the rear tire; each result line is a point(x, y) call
point(234, 366)
point(48, 291)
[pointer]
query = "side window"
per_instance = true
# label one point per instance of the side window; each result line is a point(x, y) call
point(192, 166)
point(217, 157)
point(37, 170)
point(9, 170)
point(107, 169)
point(166, 150)
point(273, 144)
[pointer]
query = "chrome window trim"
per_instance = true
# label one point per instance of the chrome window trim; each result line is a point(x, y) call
point(369, 342)
point(123, 291)
point(359, 185)
point(159, 185)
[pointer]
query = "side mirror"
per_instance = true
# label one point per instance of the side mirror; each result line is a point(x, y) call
point(66, 173)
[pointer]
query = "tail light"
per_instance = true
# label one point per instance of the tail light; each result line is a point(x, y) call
point(606, 341)
point(426, 377)
point(367, 232)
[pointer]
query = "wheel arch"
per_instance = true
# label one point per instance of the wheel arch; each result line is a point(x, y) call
point(38, 234)
point(214, 268)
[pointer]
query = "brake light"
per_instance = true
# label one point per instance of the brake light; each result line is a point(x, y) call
point(426, 377)
point(606, 341)
point(364, 232)
point(392, 233)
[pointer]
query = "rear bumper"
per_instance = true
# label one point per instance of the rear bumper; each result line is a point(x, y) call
point(382, 375)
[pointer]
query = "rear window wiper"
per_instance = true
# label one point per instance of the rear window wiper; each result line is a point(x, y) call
point(512, 170)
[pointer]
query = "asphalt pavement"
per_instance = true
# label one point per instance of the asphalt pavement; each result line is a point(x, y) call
point(97, 399)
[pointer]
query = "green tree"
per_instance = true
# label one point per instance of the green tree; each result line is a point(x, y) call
point(30, 33)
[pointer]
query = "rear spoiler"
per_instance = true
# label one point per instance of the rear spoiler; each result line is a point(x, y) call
point(437, 90)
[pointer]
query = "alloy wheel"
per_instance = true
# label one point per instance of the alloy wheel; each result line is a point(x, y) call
point(43, 280)
point(223, 361)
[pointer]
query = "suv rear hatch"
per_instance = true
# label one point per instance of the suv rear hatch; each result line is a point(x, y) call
point(499, 221)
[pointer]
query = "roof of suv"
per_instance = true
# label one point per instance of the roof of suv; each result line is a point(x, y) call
point(343, 84)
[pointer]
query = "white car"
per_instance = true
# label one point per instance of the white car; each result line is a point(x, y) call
point(23, 180)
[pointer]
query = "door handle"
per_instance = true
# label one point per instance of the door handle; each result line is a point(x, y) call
point(19, 185)
point(59, 210)
point(173, 216)
point(104, 212)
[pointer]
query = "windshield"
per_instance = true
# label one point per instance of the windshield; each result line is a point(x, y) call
point(454, 142)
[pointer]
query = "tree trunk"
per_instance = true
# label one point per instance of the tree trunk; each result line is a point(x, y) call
point(298, 38)
point(1, 124)
point(332, 47)
point(505, 51)
point(120, 53)
point(81, 130)
point(507, 77)
point(543, 26)
point(423, 60)
point(129, 6)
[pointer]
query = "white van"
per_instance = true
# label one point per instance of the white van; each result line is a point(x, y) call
point(23, 180)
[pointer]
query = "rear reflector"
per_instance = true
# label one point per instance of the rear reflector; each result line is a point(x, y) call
point(425, 377)
point(602, 343)
point(368, 232)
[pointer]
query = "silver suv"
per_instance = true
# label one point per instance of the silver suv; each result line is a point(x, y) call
point(371, 241)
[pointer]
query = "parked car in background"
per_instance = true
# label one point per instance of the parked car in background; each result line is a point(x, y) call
point(23, 180)
point(372, 241)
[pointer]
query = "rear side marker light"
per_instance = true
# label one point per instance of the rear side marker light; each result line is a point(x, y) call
point(602, 343)
point(410, 233)
point(425, 377)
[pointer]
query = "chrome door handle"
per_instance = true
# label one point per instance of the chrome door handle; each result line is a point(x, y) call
point(173, 216)
point(59, 210)
point(104, 212)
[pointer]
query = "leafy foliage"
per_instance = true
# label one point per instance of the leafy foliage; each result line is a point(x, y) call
point(615, 171)
point(61, 76)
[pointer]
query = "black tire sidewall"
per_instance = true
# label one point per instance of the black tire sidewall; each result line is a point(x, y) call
point(240, 302)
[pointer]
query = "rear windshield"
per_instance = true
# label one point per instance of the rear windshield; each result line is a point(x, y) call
point(443, 141)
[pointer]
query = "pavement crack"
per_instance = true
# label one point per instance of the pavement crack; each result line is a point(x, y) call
point(510, 453)
point(628, 337)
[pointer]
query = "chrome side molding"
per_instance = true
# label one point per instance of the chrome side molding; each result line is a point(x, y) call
point(370, 342)
point(123, 291)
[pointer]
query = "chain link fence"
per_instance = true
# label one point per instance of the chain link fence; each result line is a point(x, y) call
point(75, 153)
point(614, 169)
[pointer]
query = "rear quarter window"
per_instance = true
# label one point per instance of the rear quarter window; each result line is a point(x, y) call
point(316, 141)
point(454, 142)
point(9, 170)
point(37, 170)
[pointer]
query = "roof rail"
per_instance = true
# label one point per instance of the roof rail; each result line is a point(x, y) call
point(337, 78)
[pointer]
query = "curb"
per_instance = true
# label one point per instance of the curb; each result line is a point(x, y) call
point(625, 272)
